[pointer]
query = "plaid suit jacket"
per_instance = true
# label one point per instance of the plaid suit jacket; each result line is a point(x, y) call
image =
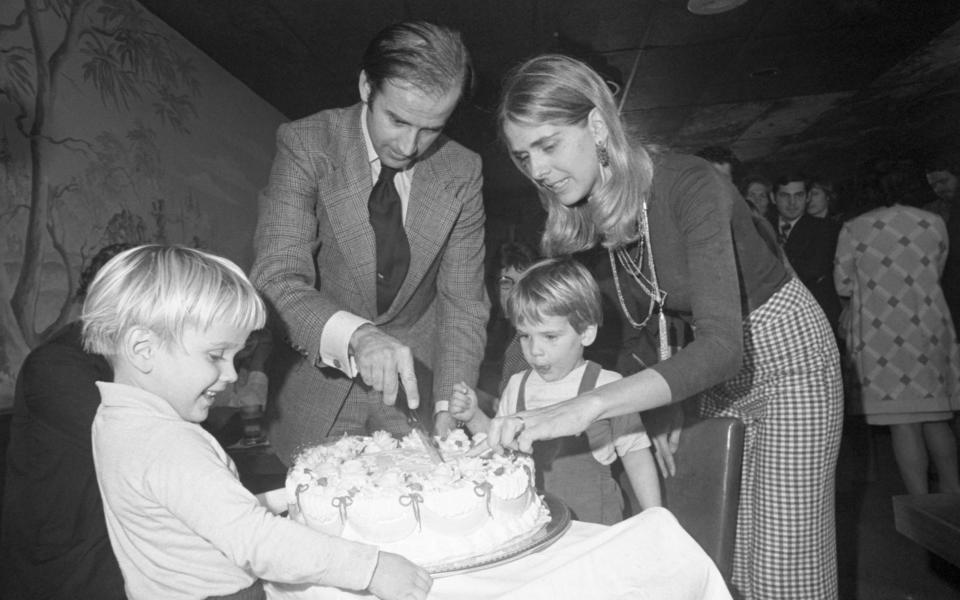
point(315, 255)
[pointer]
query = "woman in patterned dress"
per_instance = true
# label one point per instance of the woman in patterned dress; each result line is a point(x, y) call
point(900, 336)
point(678, 232)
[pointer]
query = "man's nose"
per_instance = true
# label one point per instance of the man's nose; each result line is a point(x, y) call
point(408, 143)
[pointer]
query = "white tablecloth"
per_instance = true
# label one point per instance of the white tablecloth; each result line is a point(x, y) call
point(648, 556)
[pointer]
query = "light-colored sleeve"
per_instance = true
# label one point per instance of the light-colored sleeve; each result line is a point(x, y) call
point(629, 434)
point(197, 483)
point(508, 399)
point(616, 436)
point(462, 303)
point(335, 341)
point(844, 263)
point(944, 243)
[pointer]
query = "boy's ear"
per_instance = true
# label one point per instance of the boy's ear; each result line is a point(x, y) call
point(589, 335)
point(140, 346)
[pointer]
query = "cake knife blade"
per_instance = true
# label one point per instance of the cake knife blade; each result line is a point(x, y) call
point(413, 419)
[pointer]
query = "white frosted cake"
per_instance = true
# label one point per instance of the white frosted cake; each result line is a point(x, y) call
point(387, 492)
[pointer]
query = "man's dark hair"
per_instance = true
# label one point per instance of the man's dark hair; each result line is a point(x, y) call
point(431, 57)
point(516, 255)
point(756, 178)
point(790, 178)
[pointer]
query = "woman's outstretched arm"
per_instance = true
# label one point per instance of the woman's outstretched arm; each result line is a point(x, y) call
point(636, 393)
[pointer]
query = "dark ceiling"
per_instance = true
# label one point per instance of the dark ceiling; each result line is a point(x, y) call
point(817, 84)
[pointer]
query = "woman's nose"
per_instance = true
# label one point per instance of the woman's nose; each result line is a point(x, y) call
point(539, 169)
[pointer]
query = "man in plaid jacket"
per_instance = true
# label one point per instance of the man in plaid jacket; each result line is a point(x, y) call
point(346, 363)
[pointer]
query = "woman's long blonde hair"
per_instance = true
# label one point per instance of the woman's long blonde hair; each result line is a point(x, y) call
point(561, 90)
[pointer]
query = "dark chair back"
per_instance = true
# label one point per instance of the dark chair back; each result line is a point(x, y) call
point(705, 493)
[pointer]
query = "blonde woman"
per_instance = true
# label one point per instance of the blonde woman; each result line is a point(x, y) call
point(681, 238)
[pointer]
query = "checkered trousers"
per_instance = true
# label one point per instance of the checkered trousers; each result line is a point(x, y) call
point(789, 395)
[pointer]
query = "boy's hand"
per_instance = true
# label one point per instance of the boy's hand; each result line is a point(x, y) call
point(396, 578)
point(463, 403)
point(443, 424)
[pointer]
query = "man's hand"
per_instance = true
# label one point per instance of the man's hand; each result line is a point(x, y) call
point(384, 363)
point(396, 578)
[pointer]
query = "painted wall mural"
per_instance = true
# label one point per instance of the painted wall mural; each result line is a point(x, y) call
point(112, 129)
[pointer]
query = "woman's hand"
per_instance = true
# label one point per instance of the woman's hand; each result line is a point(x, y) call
point(663, 426)
point(520, 430)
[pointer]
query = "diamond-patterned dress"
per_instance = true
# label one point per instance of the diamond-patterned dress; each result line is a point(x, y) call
point(900, 337)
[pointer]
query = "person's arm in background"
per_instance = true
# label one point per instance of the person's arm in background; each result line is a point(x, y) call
point(462, 303)
point(844, 276)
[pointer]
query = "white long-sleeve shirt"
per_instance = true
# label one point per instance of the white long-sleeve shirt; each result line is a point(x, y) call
point(181, 524)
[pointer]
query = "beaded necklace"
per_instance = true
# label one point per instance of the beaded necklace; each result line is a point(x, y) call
point(649, 286)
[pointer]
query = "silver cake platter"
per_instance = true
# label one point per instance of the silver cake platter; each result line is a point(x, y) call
point(534, 542)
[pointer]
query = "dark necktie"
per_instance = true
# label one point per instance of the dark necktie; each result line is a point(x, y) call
point(393, 250)
point(784, 232)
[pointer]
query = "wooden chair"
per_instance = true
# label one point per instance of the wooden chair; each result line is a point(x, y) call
point(705, 493)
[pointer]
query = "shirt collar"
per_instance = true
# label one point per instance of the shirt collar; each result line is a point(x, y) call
point(122, 395)
point(791, 223)
point(367, 143)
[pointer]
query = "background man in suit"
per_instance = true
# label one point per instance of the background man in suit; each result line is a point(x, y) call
point(808, 243)
point(365, 311)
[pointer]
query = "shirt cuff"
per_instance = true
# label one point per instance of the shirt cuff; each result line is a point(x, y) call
point(441, 406)
point(335, 341)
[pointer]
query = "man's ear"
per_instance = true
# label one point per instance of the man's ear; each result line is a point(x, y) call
point(364, 87)
point(589, 335)
point(598, 127)
point(140, 346)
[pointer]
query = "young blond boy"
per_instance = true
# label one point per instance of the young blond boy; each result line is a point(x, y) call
point(555, 306)
point(170, 320)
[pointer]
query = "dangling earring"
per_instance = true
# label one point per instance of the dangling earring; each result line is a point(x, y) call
point(602, 155)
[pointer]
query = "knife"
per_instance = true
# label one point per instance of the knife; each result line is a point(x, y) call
point(413, 419)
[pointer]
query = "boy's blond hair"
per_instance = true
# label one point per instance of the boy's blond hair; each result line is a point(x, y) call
point(556, 287)
point(166, 289)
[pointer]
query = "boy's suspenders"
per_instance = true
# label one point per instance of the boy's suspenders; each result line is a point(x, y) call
point(546, 451)
point(587, 383)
